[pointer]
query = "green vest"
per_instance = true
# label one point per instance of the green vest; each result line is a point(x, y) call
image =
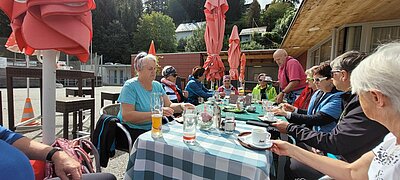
point(270, 92)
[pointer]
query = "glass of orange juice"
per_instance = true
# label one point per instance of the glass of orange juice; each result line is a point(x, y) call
point(156, 114)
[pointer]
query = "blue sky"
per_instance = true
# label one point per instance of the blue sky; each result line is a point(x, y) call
point(262, 2)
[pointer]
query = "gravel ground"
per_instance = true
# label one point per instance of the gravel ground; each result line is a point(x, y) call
point(117, 165)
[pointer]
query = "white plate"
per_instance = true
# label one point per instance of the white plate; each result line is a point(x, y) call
point(247, 139)
point(262, 118)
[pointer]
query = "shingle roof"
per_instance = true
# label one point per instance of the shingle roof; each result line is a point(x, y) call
point(184, 27)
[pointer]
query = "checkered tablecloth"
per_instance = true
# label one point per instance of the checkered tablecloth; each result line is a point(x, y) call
point(215, 155)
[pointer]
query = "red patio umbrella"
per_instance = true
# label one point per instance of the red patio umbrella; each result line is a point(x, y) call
point(52, 26)
point(214, 36)
point(234, 53)
point(242, 67)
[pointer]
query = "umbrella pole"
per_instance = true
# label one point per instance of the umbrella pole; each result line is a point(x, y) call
point(27, 79)
point(49, 100)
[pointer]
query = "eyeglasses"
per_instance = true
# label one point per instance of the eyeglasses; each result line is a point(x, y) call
point(334, 71)
point(175, 75)
point(227, 81)
point(320, 79)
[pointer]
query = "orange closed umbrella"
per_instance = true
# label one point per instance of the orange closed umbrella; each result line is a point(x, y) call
point(242, 67)
point(214, 35)
point(234, 53)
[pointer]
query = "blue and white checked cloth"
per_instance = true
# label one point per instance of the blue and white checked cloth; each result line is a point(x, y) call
point(214, 156)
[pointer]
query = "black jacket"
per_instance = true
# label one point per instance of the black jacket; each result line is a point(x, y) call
point(353, 136)
point(103, 137)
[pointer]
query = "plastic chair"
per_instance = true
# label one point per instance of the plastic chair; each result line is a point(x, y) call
point(113, 109)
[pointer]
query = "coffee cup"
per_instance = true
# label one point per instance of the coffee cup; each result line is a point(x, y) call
point(260, 136)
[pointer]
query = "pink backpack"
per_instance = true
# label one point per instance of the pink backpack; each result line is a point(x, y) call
point(79, 149)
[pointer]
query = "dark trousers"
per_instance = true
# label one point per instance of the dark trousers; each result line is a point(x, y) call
point(297, 170)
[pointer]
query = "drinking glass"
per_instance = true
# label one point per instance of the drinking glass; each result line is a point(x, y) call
point(229, 123)
point(205, 116)
point(156, 105)
point(201, 100)
point(189, 126)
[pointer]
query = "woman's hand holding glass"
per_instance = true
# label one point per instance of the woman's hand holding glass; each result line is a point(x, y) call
point(279, 112)
point(289, 108)
point(167, 111)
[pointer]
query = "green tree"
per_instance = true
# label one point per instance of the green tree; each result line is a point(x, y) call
point(274, 12)
point(181, 45)
point(252, 45)
point(236, 10)
point(177, 12)
point(196, 42)
point(293, 2)
point(194, 9)
point(5, 29)
point(253, 14)
point(129, 12)
point(155, 6)
point(158, 27)
point(282, 24)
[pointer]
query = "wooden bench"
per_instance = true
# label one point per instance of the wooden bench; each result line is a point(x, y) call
point(74, 92)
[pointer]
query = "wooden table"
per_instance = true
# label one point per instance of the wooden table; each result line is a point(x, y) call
point(112, 96)
point(12, 72)
point(75, 105)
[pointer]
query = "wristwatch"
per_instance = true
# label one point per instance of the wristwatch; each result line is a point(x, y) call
point(52, 152)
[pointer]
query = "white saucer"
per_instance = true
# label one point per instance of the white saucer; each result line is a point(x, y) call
point(263, 118)
point(247, 139)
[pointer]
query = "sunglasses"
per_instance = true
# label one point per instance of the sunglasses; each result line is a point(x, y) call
point(334, 71)
point(320, 79)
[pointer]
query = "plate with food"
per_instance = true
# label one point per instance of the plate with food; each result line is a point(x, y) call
point(233, 109)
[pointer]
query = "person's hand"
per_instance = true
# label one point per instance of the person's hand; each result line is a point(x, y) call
point(279, 112)
point(282, 126)
point(279, 98)
point(281, 148)
point(66, 167)
point(187, 106)
point(222, 94)
point(185, 93)
point(167, 111)
point(288, 107)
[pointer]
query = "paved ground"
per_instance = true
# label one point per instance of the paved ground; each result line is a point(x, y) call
point(116, 166)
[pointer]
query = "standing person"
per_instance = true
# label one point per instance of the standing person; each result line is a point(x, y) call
point(354, 134)
point(376, 81)
point(15, 150)
point(168, 82)
point(264, 89)
point(303, 100)
point(227, 88)
point(291, 77)
point(195, 88)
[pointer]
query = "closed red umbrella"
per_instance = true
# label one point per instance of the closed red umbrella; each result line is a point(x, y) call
point(234, 53)
point(242, 67)
point(52, 26)
point(214, 35)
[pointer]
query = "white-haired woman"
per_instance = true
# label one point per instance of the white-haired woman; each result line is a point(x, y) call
point(136, 93)
point(376, 81)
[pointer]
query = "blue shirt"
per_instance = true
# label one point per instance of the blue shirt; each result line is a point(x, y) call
point(13, 163)
point(196, 89)
point(135, 94)
point(330, 104)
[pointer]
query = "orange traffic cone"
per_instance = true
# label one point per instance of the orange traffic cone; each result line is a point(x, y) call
point(28, 113)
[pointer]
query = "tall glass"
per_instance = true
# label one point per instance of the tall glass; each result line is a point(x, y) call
point(241, 91)
point(189, 126)
point(156, 105)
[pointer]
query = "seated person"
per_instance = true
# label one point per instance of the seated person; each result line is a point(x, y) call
point(227, 88)
point(168, 82)
point(264, 88)
point(325, 105)
point(195, 88)
point(15, 150)
point(136, 94)
point(303, 100)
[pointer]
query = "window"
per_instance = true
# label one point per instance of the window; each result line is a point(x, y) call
point(325, 54)
point(381, 35)
point(115, 77)
point(349, 39)
point(121, 76)
point(320, 53)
